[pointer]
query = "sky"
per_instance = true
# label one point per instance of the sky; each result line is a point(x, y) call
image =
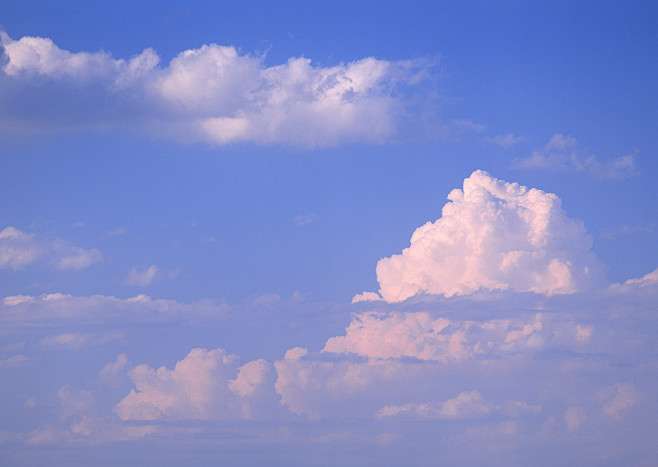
point(328, 233)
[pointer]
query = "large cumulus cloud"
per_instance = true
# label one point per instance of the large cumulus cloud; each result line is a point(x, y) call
point(213, 93)
point(493, 235)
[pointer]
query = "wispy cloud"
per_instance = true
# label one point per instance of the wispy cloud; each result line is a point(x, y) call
point(506, 141)
point(564, 154)
point(303, 219)
point(19, 249)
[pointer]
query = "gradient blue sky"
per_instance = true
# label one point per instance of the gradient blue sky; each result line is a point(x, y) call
point(238, 196)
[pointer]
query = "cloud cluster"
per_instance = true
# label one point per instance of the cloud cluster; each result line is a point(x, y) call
point(19, 249)
point(204, 385)
point(218, 95)
point(493, 235)
point(564, 154)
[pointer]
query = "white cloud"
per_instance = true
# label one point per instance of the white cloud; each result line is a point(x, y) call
point(204, 385)
point(366, 297)
point(564, 154)
point(218, 95)
point(19, 249)
point(506, 141)
point(618, 399)
point(14, 362)
point(467, 405)
point(648, 280)
point(114, 372)
point(574, 417)
point(464, 124)
point(57, 308)
point(72, 340)
point(493, 235)
point(301, 220)
point(143, 278)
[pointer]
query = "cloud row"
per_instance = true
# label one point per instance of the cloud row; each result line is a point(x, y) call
point(427, 364)
point(492, 235)
point(214, 94)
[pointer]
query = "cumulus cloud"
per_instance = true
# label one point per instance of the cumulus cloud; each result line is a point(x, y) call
point(431, 336)
point(19, 249)
point(219, 95)
point(142, 278)
point(204, 385)
point(493, 235)
point(564, 154)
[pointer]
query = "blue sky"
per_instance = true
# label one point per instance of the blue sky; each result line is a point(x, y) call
point(269, 232)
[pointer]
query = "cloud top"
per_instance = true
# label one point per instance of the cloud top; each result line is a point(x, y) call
point(493, 235)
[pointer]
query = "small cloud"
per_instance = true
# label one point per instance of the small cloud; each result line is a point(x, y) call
point(648, 280)
point(624, 230)
point(71, 257)
point(306, 219)
point(14, 362)
point(118, 231)
point(366, 297)
point(463, 124)
point(19, 249)
point(67, 340)
point(618, 399)
point(564, 154)
point(143, 278)
point(75, 341)
point(506, 141)
point(113, 373)
point(574, 417)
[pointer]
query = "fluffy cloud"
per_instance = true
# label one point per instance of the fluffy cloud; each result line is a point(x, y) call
point(218, 95)
point(204, 385)
point(142, 278)
point(564, 154)
point(431, 336)
point(18, 249)
point(493, 235)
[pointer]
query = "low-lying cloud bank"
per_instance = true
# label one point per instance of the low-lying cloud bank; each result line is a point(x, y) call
point(214, 94)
